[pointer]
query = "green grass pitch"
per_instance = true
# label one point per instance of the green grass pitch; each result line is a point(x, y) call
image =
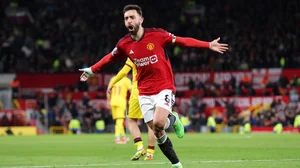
point(194, 151)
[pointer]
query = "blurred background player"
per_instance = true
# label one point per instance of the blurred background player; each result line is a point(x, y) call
point(117, 102)
point(135, 113)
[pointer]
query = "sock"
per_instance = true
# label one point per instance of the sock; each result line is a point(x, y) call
point(167, 148)
point(150, 150)
point(170, 121)
point(167, 124)
point(119, 128)
point(162, 139)
point(138, 143)
point(177, 164)
point(117, 138)
point(117, 132)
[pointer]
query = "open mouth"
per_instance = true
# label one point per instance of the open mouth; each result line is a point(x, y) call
point(130, 28)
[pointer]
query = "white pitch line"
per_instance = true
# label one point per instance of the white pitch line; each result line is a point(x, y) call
point(149, 163)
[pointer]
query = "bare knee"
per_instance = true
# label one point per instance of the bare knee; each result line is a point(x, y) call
point(159, 124)
point(150, 125)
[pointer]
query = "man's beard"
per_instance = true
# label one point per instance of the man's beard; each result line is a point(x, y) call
point(135, 30)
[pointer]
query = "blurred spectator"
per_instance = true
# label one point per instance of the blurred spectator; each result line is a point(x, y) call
point(245, 82)
point(230, 108)
point(264, 82)
point(193, 113)
point(202, 122)
point(233, 82)
point(294, 95)
point(54, 116)
point(15, 86)
point(283, 81)
point(293, 81)
point(85, 99)
point(191, 84)
point(88, 118)
point(82, 86)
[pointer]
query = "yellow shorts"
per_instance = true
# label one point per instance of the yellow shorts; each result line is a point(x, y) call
point(118, 112)
point(134, 110)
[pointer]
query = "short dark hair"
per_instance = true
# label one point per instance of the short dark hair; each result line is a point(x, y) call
point(133, 7)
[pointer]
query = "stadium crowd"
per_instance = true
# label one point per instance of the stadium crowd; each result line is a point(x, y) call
point(54, 36)
point(62, 107)
point(62, 36)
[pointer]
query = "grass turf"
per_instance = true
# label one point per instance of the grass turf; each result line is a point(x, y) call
point(194, 151)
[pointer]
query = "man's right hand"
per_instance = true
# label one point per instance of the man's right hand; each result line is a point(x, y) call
point(87, 73)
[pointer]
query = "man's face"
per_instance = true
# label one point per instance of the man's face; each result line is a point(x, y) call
point(132, 21)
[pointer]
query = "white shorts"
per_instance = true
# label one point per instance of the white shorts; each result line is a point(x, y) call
point(164, 99)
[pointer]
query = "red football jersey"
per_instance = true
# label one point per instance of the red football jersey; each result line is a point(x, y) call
point(154, 71)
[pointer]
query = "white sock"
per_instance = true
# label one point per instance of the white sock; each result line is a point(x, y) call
point(161, 139)
point(177, 164)
point(167, 124)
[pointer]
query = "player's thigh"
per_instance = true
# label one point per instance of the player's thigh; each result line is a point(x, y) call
point(163, 102)
point(165, 99)
point(134, 110)
point(160, 115)
point(118, 112)
point(147, 108)
point(113, 112)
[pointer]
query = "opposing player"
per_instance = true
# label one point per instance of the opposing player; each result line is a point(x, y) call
point(145, 47)
point(117, 102)
point(134, 113)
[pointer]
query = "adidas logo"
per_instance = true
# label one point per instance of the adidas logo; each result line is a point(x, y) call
point(131, 52)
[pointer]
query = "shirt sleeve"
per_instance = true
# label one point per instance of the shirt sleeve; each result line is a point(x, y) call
point(129, 63)
point(166, 37)
point(169, 38)
point(116, 54)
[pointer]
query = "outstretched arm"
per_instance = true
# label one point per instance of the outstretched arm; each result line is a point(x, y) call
point(191, 42)
point(88, 72)
point(106, 60)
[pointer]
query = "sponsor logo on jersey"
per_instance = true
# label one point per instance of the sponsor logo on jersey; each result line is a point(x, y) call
point(145, 61)
point(150, 46)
